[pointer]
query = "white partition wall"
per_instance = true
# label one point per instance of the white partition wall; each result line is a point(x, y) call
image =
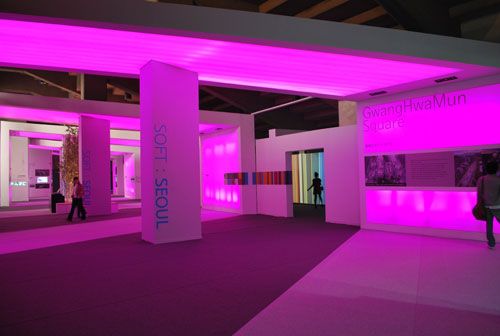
point(169, 154)
point(340, 169)
point(421, 153)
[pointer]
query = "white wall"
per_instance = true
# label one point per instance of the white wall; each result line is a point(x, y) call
point(19, 169)
point(39, 159)
point(340, 165)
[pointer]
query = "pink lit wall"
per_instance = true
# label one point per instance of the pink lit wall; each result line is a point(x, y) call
point(453, 117)
point(220, 154)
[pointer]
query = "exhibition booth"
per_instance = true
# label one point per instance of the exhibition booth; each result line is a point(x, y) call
point(427, 116)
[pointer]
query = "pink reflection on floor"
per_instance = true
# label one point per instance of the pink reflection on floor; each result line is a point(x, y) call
point(11, 242)
point(391, 284)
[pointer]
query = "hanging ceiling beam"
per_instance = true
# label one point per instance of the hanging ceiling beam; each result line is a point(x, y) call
point(366, 16)
point(269, 5)
point(320, 8)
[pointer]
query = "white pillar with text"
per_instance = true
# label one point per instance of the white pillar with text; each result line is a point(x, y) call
point(170, 185)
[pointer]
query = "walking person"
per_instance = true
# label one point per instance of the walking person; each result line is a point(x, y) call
point(488, 194)
point(77, 201)
point(317, 189)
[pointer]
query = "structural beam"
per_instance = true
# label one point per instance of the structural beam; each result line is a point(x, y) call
point(269, 5)
point(320, 8)
point(367, 15)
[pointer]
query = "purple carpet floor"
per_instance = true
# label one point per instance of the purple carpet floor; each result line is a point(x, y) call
point(124, 286)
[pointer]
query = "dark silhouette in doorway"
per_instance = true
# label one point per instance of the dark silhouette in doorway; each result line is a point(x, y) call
point(317, 189)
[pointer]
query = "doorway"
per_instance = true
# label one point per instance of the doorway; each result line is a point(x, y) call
point(305, 164)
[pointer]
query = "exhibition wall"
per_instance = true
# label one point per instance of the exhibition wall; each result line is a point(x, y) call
point(273, 155)
point(421, 154)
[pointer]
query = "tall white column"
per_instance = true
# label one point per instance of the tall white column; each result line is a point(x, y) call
point(95, 156)
point(170, 176)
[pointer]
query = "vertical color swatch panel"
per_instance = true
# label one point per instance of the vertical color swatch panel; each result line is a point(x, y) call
point(304, 165)
point(220, 154)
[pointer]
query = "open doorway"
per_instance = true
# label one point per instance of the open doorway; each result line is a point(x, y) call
point(308, 181)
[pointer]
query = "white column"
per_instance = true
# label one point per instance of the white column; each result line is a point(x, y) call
point(170, 177)
point(95, 156)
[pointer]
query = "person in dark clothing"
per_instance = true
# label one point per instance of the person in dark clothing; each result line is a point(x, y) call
point(77, 202)
point(488, 194)
point(317, 189)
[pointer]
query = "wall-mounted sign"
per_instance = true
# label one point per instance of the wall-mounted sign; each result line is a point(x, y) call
point(18, 183)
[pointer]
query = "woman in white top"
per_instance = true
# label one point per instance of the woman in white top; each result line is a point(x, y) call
point(488, 191)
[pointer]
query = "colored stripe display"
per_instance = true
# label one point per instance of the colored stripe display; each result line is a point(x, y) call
point(276, 177)
point(236, 178)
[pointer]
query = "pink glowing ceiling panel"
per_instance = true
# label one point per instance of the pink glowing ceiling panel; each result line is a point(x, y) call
point(34, 44)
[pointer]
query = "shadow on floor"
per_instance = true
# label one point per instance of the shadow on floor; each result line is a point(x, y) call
point(308, 211)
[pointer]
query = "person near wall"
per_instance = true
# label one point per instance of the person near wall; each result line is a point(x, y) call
point(77, 202)
point(488, 194)
point(317, 189)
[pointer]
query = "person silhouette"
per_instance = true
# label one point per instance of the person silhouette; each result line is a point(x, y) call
point(488, 194)
point(317, 189)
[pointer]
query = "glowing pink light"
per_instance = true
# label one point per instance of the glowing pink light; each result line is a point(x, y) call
point(126, 142)
point(425, 208)
point(50, 148)
point(219, 150)
point(67, 47)
point(37, 135)
point(230, 147)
